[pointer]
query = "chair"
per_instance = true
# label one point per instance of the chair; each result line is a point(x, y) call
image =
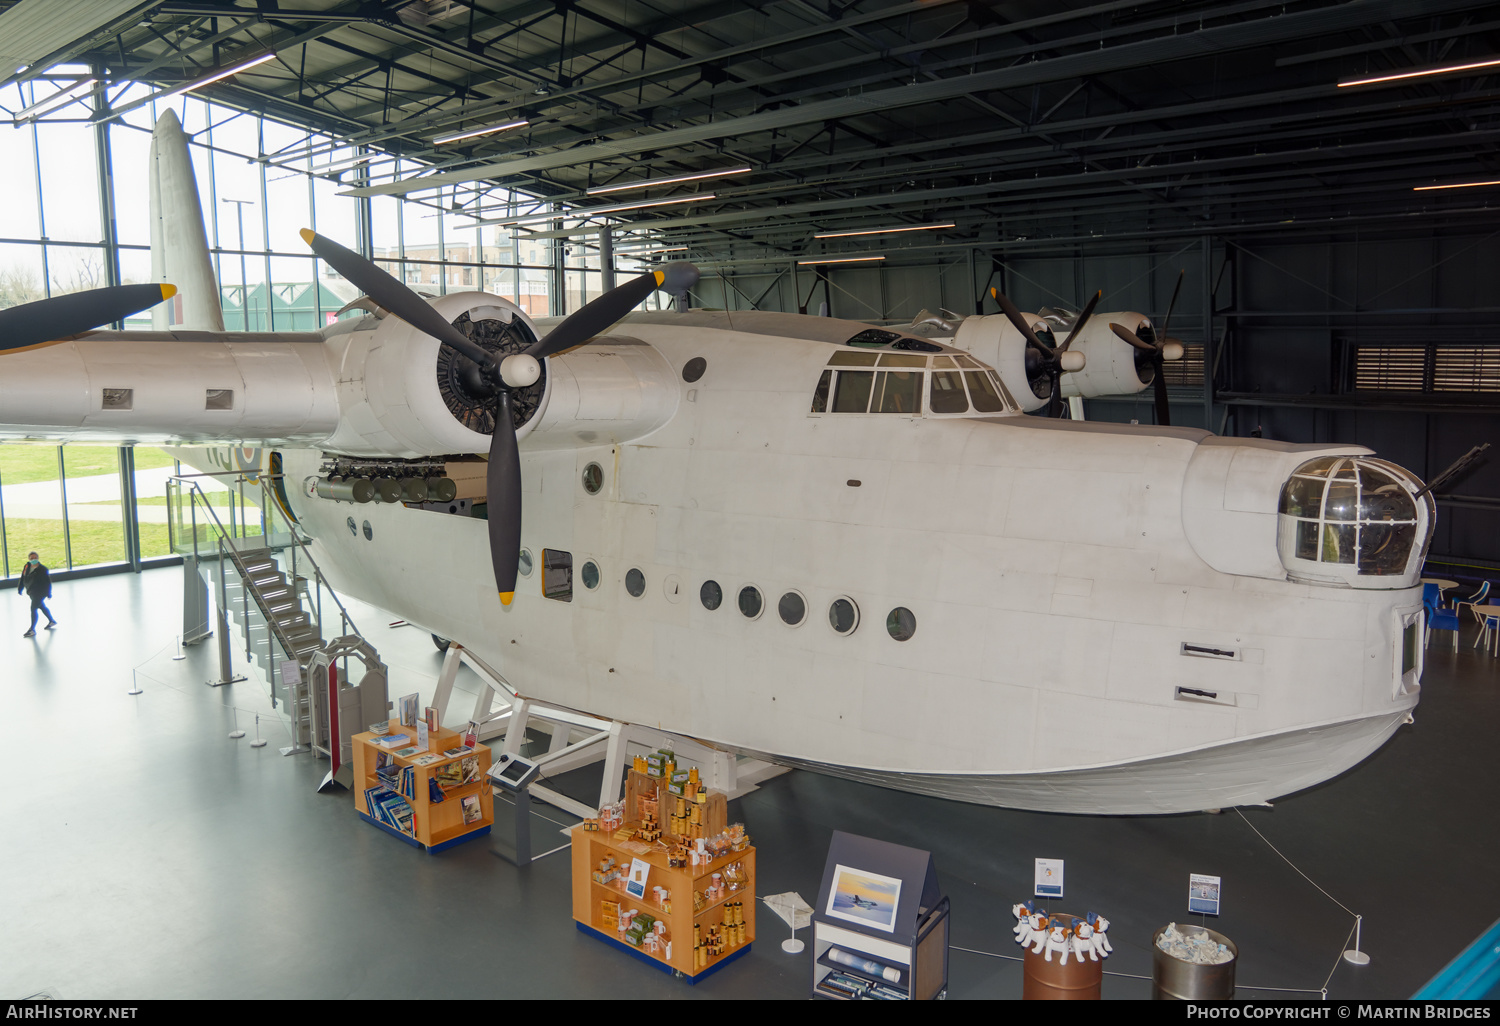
point(1477, 599)
point(1489, 628)
point(1438, 618)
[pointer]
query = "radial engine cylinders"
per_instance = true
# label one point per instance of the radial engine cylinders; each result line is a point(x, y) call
point(384, 481)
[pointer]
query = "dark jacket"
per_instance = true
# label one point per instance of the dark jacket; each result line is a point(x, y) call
point(36, 582)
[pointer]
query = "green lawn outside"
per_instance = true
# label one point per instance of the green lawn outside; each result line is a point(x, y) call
point(93, 542)
point(23, 463)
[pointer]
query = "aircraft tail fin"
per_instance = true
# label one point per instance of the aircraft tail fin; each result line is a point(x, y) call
point(179, 244)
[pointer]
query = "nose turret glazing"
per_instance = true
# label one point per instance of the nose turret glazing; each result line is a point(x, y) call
point(1356, 521)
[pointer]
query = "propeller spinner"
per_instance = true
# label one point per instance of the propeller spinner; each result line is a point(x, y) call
point(496, 378)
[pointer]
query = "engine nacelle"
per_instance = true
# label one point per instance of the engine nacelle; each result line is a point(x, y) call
point(1114, 367)
point(993, 340)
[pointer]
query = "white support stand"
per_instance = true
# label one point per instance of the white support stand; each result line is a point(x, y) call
point(236, 733)
point(614, 742)
point(135, 684)
point(180, 654)
point(1354, 956)
point(259, 741)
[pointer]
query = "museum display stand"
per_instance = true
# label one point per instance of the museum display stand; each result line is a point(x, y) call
point(701, 928)
point(434, 826)
point(866, 947)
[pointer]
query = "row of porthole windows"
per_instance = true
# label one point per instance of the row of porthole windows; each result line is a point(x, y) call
point(843, 612)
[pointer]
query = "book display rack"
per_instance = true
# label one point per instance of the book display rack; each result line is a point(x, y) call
point(430, 799)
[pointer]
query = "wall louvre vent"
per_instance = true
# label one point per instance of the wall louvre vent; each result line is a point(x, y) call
point(1389, 369)
point(1466, 369)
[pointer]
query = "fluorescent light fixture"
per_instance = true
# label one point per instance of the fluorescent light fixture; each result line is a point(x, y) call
point(884, 231)
point(647, 183)
point(232, 70)
point(839, 260)
point(1446, 69)
point(58, 99)
point(586, 212)
point(352, 162)
point(471, 133)
point(1455, 185)
point(188, 87)
point(649, 252)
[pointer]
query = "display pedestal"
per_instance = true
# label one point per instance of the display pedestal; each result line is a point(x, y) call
point(733, 913)
point(1079, 980)
point(854, 954)
point(434, 825)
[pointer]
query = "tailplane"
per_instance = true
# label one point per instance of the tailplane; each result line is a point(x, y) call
point(179, 245)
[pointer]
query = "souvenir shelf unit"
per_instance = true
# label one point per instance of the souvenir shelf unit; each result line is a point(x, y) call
point(399, 796)
point(691, 914)
point(880, 926)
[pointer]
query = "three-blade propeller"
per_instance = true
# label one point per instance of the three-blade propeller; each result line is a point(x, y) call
point(496, 378)
point(47, 320)
point(1163, 349)
point(1047, 360)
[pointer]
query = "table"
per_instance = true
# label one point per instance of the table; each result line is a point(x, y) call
point(1443, 584)
point(1486, 631)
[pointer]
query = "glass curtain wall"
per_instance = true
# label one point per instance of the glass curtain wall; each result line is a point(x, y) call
point(259, 182)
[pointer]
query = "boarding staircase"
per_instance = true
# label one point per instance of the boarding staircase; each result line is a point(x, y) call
point(266, 585)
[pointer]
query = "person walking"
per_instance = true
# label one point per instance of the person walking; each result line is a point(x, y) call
point(36, 582)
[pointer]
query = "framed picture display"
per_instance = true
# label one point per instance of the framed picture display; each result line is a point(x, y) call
point(868, 899)
point(1203, 894)
point(1049, 879)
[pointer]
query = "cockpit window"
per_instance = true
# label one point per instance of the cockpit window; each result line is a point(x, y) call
point(1351, 511)
point(852, 394)
point(982, 393)
point(898, 392)
point(872, 338)
point(852, 360)
point(902, 360)
point(820, 395)
point(947, 393)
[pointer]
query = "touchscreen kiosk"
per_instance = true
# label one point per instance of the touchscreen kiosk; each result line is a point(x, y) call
point(513, 772)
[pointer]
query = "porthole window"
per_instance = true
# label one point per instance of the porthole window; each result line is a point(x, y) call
point(593, 478)
point(353, 527)
point(843, 615)
point(369, 532)
point(711, 595)
point(693, 369)
point(524, 563)
point(751, 604)
point(792, 608)
point(589, 574)
point(902, 623)
point(635, 582)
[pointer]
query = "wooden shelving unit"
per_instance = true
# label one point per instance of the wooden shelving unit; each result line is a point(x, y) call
point(590, 847)
point(435, 826)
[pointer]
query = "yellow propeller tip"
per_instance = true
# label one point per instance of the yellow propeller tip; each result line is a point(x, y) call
point(168, 291)
point(660, 277)
point(308, 235)
point(506, 596)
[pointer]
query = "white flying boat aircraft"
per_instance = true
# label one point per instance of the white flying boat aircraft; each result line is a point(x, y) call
point(824, 544)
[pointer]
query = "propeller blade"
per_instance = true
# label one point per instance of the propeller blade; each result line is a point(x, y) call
point(1163, 409)
point(1170, 306)
point(503, 493)
point(395, 297)
point(1020, 322)
point(600, 314)
point(1083, 318)
point(48, 320)
point(1130, 336)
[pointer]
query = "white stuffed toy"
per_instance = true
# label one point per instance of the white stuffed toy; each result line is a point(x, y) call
point(1083, 941)
point(1023, 913)
point(1057, 940)
point(1038, 924)
point(1099, 941)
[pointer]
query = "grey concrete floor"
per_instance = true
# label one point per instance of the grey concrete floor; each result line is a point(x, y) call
point(147, 855)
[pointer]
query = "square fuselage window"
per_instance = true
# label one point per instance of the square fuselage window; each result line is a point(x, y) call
point(557, 575)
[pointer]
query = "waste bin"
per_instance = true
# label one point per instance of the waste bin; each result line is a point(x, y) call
point(1176, 979)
